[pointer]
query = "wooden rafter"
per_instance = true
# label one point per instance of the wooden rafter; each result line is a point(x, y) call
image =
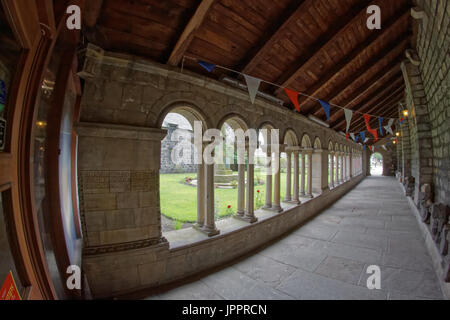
point(335, 31)
point(315, 89)
point(373, 99)
point(386, 72)
point(377, 95)
point(92, 12)
point(272, 36)
point(189, 32)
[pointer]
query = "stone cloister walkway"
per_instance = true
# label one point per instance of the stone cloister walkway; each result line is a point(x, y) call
point(327, 258)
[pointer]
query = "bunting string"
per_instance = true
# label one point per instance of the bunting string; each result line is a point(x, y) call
point(210, 67)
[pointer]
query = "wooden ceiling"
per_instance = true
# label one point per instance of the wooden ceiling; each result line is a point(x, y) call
point(319, 47)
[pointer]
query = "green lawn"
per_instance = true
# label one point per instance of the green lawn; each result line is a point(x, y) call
point(179, 201)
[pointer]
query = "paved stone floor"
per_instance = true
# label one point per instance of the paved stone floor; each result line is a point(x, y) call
point(327, 258)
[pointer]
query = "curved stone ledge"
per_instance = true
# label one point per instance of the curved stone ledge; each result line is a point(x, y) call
point(125, 272)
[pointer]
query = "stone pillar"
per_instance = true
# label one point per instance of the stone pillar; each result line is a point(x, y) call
point(210, 225)
point(296, 191)
point(320, 171)
point(241, 190)
point(350, 166)
point(118, 191)
point(250, 210)
point(288, 196)
point(201, 195)
point(310, 167)
point(276, 206)
point(303, 181)
point(332, 184)
point(342, 167)
point(268, 176)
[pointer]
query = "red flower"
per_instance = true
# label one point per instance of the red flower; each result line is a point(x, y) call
point(229, 206)
point(257, 191)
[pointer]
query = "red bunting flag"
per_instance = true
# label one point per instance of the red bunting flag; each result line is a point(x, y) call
point(293, 95)
point(371, 131)
point(347, 135)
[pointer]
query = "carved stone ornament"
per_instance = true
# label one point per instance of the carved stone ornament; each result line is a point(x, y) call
point(425, 202)
point(439, 218)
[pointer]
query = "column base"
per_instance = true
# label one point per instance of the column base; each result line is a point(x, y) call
point(208, 231)
point(277, 208)
point(310, 196)
point(249, 219)
point(297, 202)
point(287, 199)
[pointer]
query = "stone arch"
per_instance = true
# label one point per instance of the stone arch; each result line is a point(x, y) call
point(290, 138)
point(306, 141)
point(317, 143)
point(235, 121)
point(330, 146)
point(188, 110)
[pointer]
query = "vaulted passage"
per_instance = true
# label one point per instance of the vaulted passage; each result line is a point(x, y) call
point(328, 257)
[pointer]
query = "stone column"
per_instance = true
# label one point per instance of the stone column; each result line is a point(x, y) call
point(250, 211)
point(210, 225)
point(288, 196)
point(350, 163)
point(295, 198)
point(241, 189)
point(320, 171)
point(302, 183)
point(332, 185)
point(268, 177)
point(276, 206)
point(309, 190)
point(342, 167)
point(201, 195)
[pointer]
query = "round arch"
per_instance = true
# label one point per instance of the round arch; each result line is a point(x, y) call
point(235, 121)
point(290, 138)
point(189, 111)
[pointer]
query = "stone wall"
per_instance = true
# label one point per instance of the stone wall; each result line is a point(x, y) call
point(433, 47)
point(124, 103)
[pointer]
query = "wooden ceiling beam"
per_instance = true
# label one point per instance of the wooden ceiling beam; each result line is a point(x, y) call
point(388, 71)
point(278, 31)
point(375, 37)
point(189, 32)
point(335, 31)
point(376, 96)
point(92, 12)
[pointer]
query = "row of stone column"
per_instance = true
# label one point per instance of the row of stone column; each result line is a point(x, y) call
point(347, 164)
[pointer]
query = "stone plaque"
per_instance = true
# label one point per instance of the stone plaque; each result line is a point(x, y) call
point(95, 181)
point(120, 181)
point(143, 180)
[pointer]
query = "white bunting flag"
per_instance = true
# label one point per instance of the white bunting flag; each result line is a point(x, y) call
point(384, 147)
point(389, 126)
point(367, 139)
point(252, 86)
point(353, 136)
point(348, 118)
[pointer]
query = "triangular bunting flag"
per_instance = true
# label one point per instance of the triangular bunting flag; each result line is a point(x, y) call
point(206, 65)
point(353, 136)
point(252, 86)
point(348, 118)
point(388, 128)
point(367, 139)
point(364, 147)
point(293, 95)
point(326, 108)
point(363, 136)
point(384, 147)
point(380, 123)
point(371, 131)
point(401, 120)
point(347, 135)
